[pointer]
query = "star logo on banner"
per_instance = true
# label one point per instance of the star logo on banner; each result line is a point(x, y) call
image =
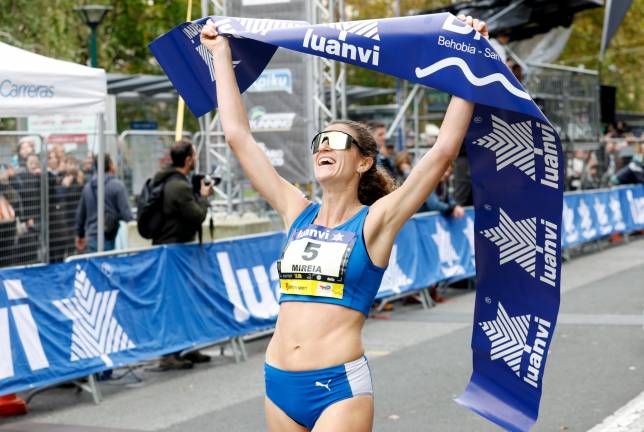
point(588, 231)
point(602, 217)
point(261, 26)
point(636, 205)
point(569, 223)
point(394, 278)
point(366, 28)
point(516, 241)
point(469, 234)
point(447, 256)
point(616, 209)
point(508, 336)
point(95, 331)
point(512, 144)
point(337, 237)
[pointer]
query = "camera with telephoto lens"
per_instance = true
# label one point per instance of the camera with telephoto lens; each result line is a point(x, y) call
point(208, 180)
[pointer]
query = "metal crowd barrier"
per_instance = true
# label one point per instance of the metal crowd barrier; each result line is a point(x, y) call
point(91, 386)
point(237, 344)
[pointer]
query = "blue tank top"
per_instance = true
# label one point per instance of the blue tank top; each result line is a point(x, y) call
point(328, 265)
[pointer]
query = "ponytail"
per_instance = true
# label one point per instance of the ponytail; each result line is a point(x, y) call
point(374, 184)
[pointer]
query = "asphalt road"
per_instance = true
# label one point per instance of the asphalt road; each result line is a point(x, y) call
point(420, 360)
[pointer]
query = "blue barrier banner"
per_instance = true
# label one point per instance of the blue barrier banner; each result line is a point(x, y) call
point(515, 157)
point(590, 215)
point(632, 199)
point(64, 321)
point(430, 249)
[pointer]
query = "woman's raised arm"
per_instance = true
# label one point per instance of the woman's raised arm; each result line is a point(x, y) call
point(389, 213)
point(285, 198)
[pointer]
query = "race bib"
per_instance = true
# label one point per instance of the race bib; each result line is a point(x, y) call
point(314, 262)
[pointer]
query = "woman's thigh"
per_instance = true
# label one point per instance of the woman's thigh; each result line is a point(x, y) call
point(278, 421)
point(350, 415)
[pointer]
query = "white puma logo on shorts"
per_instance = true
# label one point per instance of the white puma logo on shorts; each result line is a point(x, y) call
point(326, 386)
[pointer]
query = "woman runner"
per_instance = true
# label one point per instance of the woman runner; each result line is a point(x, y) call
point(317, 377)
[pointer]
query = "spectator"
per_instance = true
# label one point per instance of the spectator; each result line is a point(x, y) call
point(591, 178)
point(441, 201)
point(9, 206)
point(26, 147)
point(516, 69)
point(621, 129)
point(117, 208)
point(68, 192)
point(576, 169)
point(184, 212)
point(403, 166)
point(499, 44)
point(386, 154)
point(57, 226)
point(610, 161)
point(53, 162)
point(59, 151)
point(72, 169)
point(87, 166)
point(29, 188)
point(633, 173)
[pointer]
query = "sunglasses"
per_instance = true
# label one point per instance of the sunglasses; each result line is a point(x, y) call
point(336, 140)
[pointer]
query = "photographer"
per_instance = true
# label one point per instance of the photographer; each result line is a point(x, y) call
point(184, 207)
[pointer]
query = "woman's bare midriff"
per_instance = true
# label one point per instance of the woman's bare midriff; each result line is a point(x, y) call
point(314, 336)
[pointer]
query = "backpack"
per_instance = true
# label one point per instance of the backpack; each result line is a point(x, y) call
point(149, 204)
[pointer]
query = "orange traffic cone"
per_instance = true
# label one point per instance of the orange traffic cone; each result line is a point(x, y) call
point(615, 238)
point(12, 405)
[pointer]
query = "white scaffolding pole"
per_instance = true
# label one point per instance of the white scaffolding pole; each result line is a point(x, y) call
point(329, 77)
point(211, 133)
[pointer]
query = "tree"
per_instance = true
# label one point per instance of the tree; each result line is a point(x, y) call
point(52, 28)
point(624, 59)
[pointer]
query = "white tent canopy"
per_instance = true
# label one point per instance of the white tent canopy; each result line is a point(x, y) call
point(31, 84)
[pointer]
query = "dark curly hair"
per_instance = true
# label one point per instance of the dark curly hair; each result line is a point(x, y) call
point(375, 182)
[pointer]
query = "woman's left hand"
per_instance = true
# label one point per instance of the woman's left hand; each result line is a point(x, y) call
point(479, 26)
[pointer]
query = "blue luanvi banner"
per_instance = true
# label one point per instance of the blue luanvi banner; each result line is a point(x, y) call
point(590, 215)
point(64, 321)
point(515, 159)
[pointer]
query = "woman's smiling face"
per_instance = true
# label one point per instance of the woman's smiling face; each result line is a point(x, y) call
point(337, 165)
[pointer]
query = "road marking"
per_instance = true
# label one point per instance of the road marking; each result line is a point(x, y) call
point(629, 418)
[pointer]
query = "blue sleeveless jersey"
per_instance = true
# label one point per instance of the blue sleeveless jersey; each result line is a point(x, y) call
point(328, 265)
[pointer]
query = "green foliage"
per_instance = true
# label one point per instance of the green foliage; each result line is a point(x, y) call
point(623, 61)
point(52, 28)
point(366, 9)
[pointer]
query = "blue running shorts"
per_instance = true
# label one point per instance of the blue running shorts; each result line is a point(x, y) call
point(304, 395)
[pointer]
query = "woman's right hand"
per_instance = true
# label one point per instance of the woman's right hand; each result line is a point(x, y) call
point(212, 40)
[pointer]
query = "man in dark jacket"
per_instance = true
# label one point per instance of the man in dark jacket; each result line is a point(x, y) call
point(183, 213)
point(117, 208)
point(183, 210)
